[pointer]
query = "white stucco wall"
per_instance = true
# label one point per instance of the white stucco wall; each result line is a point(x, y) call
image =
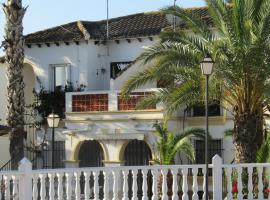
point(29, 81)
point(75, 55)
point(85, 59)
point(4, 153)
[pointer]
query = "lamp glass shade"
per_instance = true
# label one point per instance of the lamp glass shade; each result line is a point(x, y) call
point(53, 120)
point(207, 66)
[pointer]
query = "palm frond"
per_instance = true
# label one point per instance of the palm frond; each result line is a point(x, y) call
point(185, 146)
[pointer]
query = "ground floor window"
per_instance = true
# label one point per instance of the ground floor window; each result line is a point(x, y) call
point(214, 147)
point(59, 155)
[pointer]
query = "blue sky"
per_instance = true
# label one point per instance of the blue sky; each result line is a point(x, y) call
point(42, 14)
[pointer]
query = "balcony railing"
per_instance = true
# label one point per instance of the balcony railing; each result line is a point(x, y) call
point(105, 101)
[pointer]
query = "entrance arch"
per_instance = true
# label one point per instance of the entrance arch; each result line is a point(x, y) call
point(91, 154)
point(137, 153)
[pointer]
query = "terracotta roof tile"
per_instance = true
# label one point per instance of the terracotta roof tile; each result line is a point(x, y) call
point(136, 25)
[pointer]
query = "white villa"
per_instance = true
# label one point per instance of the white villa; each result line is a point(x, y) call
point(100, 129)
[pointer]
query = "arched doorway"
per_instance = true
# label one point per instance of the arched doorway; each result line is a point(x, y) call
point(91, 154)
point(138, 153)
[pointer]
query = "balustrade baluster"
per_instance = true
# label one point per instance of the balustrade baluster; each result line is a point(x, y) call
point(250, 183)
point(35, 187)
point(175, 185)
point(60, 186)
point(96, 186)
point(7, 188)
point(106, 184)
point(144, 185)
point(68, 186)
point(164, 184)
point(155, 175)
point(204, 182)
point(195, 195)
point(42, 187)
point(51, 187)
point(125, 184)
point(260, 184)
point(86, 186)
point(229, 183)
point(77, 186)
point(134, 185)
point(239, 183)
point(115, 184)
point(15, 194)
point(185, 184)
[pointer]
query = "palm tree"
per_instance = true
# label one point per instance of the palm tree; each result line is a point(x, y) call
point(14, 48)
point(236, 36)
point(170, 144)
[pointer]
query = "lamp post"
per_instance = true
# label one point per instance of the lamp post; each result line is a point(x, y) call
point(206, 67)
point(53, 122)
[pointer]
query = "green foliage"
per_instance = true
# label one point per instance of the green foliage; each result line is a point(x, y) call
point(263, 154)
point(237, 38)
point(170, 144)
point(46, 101)
point(241, 54)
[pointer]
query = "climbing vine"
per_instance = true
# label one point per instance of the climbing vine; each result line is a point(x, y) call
point(46, 101)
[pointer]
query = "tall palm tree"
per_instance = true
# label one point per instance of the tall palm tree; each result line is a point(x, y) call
point(14, 48)
point(170, 144)
point(236, 36)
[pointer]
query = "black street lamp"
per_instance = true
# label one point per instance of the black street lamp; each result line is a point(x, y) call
point(207, 68)
point(53, 122)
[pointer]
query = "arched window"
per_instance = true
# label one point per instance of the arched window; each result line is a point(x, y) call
point(137, 153)
point(91, 154)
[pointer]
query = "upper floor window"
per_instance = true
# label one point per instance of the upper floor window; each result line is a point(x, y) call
point(214, 109)
point(118, 67)
point(60, 75)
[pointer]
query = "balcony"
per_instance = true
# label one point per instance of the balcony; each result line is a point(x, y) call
point(105, 101)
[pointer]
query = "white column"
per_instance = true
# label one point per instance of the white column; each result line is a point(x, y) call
point(113, 101)
point(217, 177)
point(25, 181)
point(68, 102)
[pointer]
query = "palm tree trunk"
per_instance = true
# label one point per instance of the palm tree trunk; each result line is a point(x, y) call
point(248, 136)
point(14, 48)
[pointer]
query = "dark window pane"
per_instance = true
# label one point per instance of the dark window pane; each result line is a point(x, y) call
point(118, 67)
point(213, 110)
point(91, 154)
point(214, 147)
point(59, 155)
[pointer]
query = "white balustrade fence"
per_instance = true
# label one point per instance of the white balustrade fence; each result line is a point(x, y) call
point(244, 181)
